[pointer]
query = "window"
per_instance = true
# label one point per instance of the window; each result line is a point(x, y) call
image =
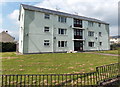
point(62, 43)
point(90, 23)
point(62, 19)
point(22, 17)
point(62, 31)
point(47, 16)
point(78, 34)
point(100, 33)
point(46, 29)
point(90, 33)
point(46, 43)
point(99, 24)
point(91, 44)
point(77, 23)
point(100, 43)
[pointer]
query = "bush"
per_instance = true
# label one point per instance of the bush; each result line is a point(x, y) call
point(115, 46)
point(7, 47)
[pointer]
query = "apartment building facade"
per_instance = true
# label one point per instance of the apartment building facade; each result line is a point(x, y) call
point(43, 30)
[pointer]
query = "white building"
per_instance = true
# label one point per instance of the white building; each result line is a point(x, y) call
point(114, 39)
point(43, 30)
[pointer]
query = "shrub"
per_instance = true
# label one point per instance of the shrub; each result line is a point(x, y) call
point(115, 46)
point(7, 47)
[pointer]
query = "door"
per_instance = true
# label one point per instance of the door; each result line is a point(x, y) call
point(78, 45)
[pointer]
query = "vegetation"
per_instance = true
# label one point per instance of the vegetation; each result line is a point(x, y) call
point(7, 47)
point(109, 52)
point(53, 63)
point(115, 46)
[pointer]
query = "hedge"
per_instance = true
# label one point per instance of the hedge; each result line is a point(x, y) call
point(7, 47)
point(115, 46)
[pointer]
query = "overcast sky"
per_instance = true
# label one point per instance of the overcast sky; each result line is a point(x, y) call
point(105, 10)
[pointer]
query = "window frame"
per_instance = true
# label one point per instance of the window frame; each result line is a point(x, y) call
point(46, 29)
point(62, 31)
point(91, 44)
point(46, 42)
point(99, 24)
point(47, 16)
point(90, 23)
point(62, 19)
point(91, 33)
point(62, 44)
point(100, 43)
point(78, 23)
point(100, 33)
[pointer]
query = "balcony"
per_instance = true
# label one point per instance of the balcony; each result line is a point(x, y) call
point(77, 23)
point(78, 34)
point(78, 37)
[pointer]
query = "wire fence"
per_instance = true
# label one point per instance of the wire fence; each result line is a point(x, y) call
point(94, 78)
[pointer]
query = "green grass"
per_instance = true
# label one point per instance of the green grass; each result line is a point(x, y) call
point(109, 52)
point(53, 63)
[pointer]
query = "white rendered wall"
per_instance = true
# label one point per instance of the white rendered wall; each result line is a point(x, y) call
point(34, 35)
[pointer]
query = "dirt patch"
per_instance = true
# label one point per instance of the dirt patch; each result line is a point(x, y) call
point(9, 57)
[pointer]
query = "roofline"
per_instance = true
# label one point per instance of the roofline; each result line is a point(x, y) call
point(59, 13)
point(8, 34)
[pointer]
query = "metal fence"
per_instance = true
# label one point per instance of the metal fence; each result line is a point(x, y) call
point(93, 78)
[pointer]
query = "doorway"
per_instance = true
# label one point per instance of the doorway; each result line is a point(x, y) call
point(78, 45)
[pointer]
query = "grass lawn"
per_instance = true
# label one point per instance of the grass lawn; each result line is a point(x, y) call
point(53, 63)
point(109, 52)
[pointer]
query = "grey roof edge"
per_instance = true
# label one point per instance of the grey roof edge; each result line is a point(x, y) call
point(7, 34)
point(34, 8)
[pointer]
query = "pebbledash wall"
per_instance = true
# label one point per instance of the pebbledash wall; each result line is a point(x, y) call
point(32, 32)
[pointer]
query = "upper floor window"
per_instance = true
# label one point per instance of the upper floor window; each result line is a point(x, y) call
point(91, 44)
point(90, 23)
point(47, 16)
point(62, 43)
point(62, 31)
point(99, 24)
point(46, 43)
point(100, 33)
point(78, 34)
point(62, 19)
point(22, 17)
point(46, 29)
point(90, 33)
point(77, 23)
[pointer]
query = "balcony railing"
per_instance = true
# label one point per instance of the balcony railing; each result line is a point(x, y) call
point(77, 25)
point(78, 37)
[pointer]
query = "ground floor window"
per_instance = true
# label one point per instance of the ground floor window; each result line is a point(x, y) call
point(46, 42)
point(100, 43)
point(62, 43)
point(91, 44)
